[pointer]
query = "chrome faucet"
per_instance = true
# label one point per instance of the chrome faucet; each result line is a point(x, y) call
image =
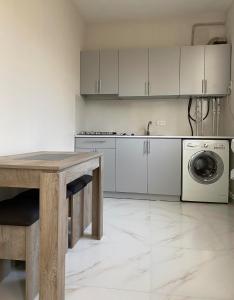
point(148, 128)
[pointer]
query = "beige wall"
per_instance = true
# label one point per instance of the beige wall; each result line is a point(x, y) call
point(133, 115)
point(39, 74)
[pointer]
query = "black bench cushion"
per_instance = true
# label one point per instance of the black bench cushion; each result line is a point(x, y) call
point(72, 188)
point(29, 194)
point(22, 210)
point(77, 185)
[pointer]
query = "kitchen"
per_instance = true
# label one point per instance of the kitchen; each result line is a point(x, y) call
point(149, 86)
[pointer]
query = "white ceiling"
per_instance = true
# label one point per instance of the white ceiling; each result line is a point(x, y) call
point(119, 10)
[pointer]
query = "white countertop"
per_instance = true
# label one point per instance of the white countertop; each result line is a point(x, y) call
point(158, 137)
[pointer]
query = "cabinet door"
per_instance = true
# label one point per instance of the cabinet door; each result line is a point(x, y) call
point(109, 169)
point(131, 165)
point(133, 72)
point(217, 69)
point(164, 167)
point(89, 72)
point(109, 83)
point(164, 71)
point(192, 73)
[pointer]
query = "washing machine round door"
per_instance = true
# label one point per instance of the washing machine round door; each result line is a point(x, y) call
point(206, 167)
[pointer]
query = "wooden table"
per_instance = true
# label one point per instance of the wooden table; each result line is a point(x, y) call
point(51, 172)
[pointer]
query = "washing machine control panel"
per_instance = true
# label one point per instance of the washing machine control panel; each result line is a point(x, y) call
point(191, 145)
point(205, 145)
point(219, 147)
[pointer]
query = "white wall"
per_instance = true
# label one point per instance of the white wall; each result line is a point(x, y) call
point(167, 32)
point(229, 103)
point(133, 115)
point(39, 74)
point(229, 111)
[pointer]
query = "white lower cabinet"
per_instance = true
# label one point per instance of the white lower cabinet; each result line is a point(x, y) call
point(164, 167)
point(109, 167)
point(138, 165)
point(150, 166)
point(131, 165)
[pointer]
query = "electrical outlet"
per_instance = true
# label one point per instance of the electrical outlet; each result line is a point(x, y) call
point(161, 123)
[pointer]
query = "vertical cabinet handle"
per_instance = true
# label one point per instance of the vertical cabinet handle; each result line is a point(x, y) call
point(146, 88)
point(97, 87)
point(205, 86)
point(148, 146)
point(145, 148)
point(100, 86)
point(149, 88)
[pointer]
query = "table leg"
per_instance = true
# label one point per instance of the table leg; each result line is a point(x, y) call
point(53, 236)
point(97, 202)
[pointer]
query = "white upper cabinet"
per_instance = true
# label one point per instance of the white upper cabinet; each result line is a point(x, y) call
point(99, 72)
point(205, 70)
point(89, 73)
point(109, 65)
point(133, 72)
point(217, 69)
point(164, 71)
point(160, 72)
point(192, 70)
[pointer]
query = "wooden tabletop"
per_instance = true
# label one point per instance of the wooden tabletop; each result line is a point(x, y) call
point(46, 160)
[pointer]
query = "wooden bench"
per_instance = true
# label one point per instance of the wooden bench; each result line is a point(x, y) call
point(19, 239)
point(19, 228)
point(79, 193)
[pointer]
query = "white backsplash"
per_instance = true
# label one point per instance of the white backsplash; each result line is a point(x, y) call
point(132, 116)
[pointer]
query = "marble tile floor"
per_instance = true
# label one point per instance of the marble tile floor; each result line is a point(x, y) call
point(150, 251)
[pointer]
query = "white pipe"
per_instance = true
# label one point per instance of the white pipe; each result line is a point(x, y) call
point(201, 104)
point(213, 115)
point(197, 113)
point(218, 115)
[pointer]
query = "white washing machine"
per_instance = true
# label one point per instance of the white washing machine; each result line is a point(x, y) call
point(205, 171)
